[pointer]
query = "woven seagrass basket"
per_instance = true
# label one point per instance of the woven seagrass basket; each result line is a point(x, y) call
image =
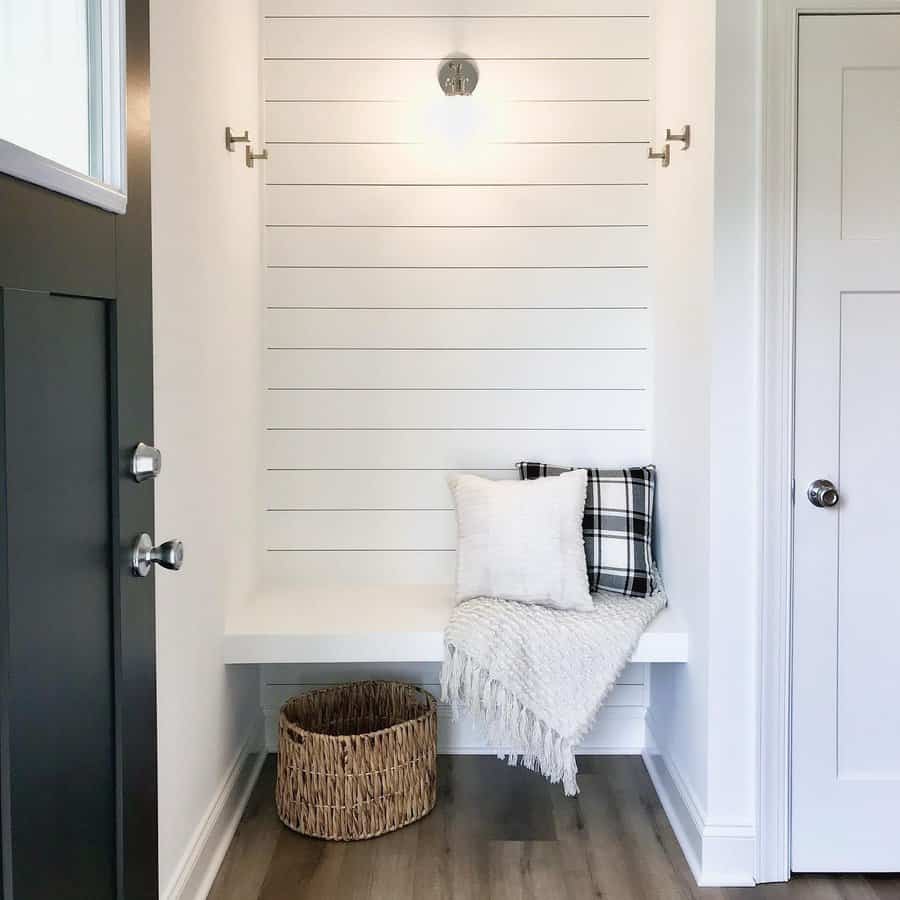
point(357, 760)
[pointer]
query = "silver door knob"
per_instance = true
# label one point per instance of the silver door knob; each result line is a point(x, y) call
point(144, 555)
point(146, 462)
point(823, 493)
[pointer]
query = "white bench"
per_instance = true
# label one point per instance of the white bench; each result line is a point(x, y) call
point(389, 624)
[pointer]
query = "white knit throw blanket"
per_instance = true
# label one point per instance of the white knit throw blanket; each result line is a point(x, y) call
point(534, 677)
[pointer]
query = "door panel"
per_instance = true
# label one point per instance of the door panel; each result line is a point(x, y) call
point(846, 723)
point(55, 243)
point(870, 191)
point(71, 741)
point(867, 728)
point(59, 570)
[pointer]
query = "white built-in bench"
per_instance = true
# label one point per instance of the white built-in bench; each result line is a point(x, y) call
point(303, 639)
point(380, 625)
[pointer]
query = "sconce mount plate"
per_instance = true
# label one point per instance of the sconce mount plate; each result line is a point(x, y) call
point(458, 76)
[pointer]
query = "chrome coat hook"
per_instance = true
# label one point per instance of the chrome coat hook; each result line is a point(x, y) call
point(684, 137)
point(250, 156)
point(231, 139)
point(664, 155)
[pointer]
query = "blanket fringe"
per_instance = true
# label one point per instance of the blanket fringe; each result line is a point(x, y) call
point(508, 724)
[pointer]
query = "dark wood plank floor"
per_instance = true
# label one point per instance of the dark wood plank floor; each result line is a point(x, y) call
point(499, 833)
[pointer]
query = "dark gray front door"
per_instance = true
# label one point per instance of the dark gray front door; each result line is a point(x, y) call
point(77, 642)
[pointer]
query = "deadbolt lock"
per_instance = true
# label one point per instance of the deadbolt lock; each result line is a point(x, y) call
point(146, 462)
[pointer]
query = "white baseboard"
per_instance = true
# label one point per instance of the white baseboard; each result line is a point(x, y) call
point(718, 855)
point(197, 869)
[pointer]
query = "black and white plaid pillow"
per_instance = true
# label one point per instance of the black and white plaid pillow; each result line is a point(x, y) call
point(618, 526)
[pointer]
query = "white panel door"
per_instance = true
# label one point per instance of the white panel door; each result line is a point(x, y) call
point(846, 654)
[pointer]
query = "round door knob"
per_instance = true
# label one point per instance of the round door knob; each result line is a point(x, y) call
point(823, 493)
point(144, 555)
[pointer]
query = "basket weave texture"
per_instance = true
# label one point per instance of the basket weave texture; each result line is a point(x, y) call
point(357, 760)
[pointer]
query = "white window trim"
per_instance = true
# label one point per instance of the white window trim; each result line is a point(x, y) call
point(781, 27)
point(111, 191)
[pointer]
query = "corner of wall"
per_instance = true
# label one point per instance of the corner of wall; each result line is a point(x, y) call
point(700, 722)
point(206, 284)
point(719, 855)
point(196, 870)
point(682, 349)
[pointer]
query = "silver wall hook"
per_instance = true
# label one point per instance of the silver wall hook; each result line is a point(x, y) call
point(250, 156)
point(684, 136)
point(664, 155)
point(231, 139)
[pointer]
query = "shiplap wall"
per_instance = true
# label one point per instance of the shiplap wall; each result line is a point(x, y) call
point(451, 284)
point(619, 728)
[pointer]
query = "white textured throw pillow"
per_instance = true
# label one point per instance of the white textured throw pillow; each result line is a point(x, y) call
point(522, 540)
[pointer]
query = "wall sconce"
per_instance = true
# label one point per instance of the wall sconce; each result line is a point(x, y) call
point(458, 76)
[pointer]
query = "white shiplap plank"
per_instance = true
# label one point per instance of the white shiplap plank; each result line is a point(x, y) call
point(634, 674)
point(459, 288)
point(274, 674)
point(482, 38)
point(394, 8)
point(522, 369)
point(399, 122)
point(616, 730)
point(492, 164)
point(345, 568)
point(274, 695)
point(422, 673)
point(457, 328)
point(411, 205)
point(361, 530)
point(461, 247)
point(455, 409)
point(499, 80)
point(365, 489)
point(453, 449)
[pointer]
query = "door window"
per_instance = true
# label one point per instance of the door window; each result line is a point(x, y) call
point(62, 96)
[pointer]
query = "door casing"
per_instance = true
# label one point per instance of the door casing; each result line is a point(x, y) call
point(780, 93)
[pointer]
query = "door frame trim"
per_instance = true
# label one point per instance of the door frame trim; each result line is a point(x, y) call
point(780, 96)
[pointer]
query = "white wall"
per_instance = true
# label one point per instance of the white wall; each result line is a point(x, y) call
point(451, 283)
point(206, 271)
point(706, 427)
point(736, 416)
point(685, 42)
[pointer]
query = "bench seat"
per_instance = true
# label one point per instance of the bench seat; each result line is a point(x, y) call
point(383, 624)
